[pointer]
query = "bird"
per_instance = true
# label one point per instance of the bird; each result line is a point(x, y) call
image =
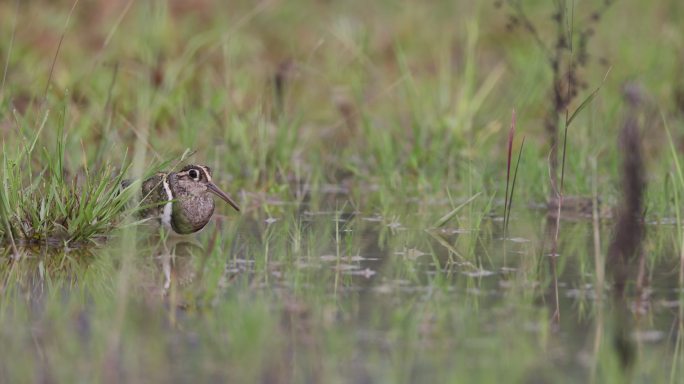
point(182, 201)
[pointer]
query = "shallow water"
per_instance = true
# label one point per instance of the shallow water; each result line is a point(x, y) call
point(341, 296)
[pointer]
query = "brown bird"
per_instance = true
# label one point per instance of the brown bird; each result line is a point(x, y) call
point(182, 200)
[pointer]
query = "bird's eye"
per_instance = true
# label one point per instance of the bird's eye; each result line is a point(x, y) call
point(193, 174)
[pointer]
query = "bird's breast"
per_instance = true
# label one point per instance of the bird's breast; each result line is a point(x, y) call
point(192, 213)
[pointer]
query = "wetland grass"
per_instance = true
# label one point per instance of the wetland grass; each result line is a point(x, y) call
point(42, 202)
point(369, 143)
point(567, 57)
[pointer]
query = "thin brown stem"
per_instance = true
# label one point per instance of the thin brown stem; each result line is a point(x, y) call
point(59, 46)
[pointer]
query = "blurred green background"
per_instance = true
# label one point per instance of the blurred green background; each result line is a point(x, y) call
point(345, 130)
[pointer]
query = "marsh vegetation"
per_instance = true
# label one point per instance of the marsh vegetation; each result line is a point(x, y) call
point(393, 226)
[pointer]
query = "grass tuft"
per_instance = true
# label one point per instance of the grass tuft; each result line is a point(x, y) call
point(52, 206)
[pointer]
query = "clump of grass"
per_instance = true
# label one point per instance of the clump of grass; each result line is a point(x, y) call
point(52, 206)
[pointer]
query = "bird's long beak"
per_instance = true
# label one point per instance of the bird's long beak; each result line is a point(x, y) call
point(218, 192)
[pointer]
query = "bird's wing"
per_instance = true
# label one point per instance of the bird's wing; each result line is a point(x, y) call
point(153, 194)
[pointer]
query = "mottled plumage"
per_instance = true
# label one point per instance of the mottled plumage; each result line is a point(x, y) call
point(182, 200)
point(152, 195)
